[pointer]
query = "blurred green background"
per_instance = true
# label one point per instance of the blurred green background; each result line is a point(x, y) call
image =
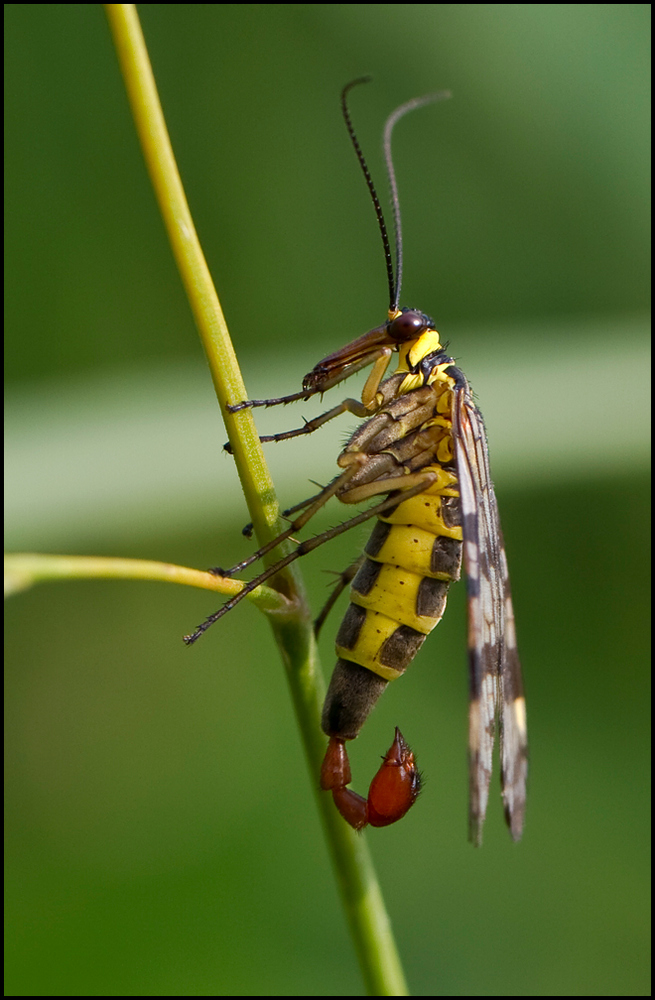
point(162, 836)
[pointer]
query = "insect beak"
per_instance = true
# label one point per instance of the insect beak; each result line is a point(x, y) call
point(360, 352)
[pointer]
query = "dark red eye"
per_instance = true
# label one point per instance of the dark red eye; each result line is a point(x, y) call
point(407, 326)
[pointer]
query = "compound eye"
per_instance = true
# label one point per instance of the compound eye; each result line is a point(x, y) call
point(407, 326)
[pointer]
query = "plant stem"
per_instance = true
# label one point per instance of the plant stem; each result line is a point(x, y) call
point(360, 891)
point(24, 569)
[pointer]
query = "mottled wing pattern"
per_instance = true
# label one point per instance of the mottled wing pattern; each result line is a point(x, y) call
point(496, 688)
point(513, 730)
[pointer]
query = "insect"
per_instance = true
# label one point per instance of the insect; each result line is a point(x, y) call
point(423, 450)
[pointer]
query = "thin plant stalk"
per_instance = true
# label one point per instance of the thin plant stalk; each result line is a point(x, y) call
point(358, 884)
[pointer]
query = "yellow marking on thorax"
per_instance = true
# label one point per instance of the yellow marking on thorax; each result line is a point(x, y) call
point(410, 354)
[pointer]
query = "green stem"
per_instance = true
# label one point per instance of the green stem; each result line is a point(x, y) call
point(359, 888)
point(24, 569)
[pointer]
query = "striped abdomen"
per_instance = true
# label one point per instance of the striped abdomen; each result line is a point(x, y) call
point(397, 597)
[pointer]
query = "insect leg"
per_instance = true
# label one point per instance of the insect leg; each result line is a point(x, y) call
point(310, 507)
point(248, 404)
point(338, 485)
point(249, 528)
point(304, 548)
point(353, 406)
point(345, 578)
point(319, 380)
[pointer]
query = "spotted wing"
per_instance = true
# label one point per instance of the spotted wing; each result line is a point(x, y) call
point(495, 684)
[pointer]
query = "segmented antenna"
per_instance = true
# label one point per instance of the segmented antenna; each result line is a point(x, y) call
point(395, 116)
point(417, 102)
point(371, 186)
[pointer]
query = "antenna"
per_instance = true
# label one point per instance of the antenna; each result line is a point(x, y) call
point(371, 186)
point(395, 116)
point(417, 102)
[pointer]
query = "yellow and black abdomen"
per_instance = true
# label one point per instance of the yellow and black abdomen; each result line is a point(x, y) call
point(397, 597)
